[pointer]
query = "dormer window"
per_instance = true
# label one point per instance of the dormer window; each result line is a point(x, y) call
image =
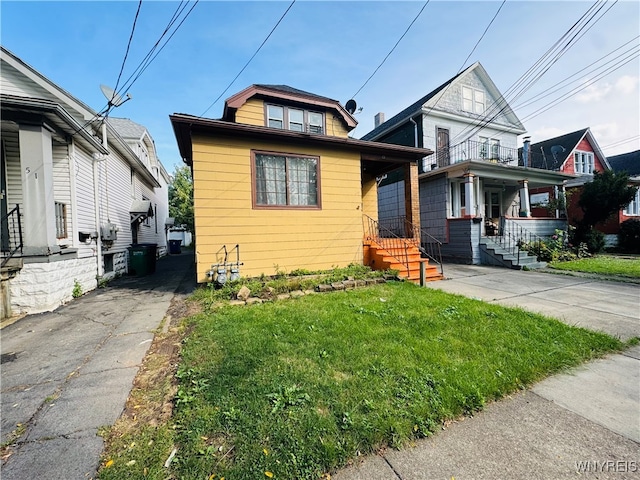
point(294, 119)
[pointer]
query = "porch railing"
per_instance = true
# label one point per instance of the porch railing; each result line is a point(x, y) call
point(394, 244)
point(472, 150)
point(11, 235)
point(429, 246)
point(512, 237)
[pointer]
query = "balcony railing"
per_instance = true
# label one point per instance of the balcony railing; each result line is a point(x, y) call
point(11, 234)
point(472, 150)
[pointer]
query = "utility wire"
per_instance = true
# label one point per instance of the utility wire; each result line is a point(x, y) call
point(621, 142)
point(249, 61)
point(549, 90)
point(575, 91)
point(466, 59)
point(543, 64)
point(151, 56)
point(146, 61)
point(394, 47)
point(126, 54)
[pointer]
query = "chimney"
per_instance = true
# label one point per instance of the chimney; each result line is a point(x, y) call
point(378, 119)
point(525, 151)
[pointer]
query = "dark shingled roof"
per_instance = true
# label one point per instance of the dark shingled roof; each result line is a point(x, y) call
point(410, 110)
point(288, 89)
point(626, 162)
point(556, 150)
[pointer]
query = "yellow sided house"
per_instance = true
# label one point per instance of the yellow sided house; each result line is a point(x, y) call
point(279, 186)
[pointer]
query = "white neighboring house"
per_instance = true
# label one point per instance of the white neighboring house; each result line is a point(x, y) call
point(75, 192)
point(474, 185)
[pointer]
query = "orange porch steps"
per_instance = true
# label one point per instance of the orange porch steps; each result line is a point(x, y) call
point(379, 258)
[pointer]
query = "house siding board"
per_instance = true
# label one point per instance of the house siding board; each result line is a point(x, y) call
point(115, 200)
point(13, 82)
point(391, 202)
point(405, 135)
point(462, 246)
point(450, 100)
point(62, 186)
point(14, 176)
point(85, 207)
point(288, 238)
point(251, 113)
point(433, 206)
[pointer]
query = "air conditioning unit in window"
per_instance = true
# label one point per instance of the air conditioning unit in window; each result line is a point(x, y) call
point(109, 232)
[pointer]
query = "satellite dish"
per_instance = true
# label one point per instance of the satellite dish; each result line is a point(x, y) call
point(351, 106)
point(112, 97)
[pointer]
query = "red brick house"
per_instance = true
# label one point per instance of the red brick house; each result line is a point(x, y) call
point(578, 153)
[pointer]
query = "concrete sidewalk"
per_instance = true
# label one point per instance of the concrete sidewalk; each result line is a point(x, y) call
point(69, 372)
point(581, 424)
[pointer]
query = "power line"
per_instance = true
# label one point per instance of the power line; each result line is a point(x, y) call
point(466, 59)
point(621, 142)
point(540, 67)
point(149, 57)
point(576, 90)
point(126, 54)
point(549, 91)
point(249, 61)
point(394, 47)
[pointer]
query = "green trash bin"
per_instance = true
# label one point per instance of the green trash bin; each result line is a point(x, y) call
point(142, 258)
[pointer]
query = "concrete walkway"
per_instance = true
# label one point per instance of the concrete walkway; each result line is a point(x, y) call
point(581, 424)
point(69, 372)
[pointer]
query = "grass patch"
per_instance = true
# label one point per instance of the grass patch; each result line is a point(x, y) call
point(281, 282)
point(295, 389)
point(625, 266)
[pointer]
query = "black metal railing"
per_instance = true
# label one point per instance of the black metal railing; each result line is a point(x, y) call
point(429, 246)
point(11, 234)
point(395, 245)
point(514, 238)
point(472, 150)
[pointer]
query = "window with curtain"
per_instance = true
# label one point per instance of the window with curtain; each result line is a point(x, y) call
point(286, 180)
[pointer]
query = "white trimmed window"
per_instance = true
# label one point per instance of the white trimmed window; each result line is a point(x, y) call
point(633, 209)
point(584, 162)
point(473, 100)
point(295, 119)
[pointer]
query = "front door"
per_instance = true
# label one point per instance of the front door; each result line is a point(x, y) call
point(442, 146)
point(493, 204)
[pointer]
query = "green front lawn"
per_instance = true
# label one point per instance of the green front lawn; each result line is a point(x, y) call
point(296, 388)
point(626, 266)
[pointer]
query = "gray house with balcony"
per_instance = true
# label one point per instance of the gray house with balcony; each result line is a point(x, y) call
point(474, 197)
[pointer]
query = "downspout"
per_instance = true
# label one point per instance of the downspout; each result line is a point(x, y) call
point(96, 200)
point(415, 144)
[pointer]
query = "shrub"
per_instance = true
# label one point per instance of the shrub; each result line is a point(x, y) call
point(594, 240)
point(629, 235)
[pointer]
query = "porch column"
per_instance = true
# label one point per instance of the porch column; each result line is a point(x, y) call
point(525, 206)
point(412, 195)
point(469, 195)
point(36, 161)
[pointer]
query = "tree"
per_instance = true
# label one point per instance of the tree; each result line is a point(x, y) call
point(605, 195)
point(181, 197)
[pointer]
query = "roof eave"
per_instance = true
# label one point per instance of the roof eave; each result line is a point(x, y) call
point(184, 125)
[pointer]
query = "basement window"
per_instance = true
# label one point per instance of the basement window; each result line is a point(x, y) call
point(61, 220)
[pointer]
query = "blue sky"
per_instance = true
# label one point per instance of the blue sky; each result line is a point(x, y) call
point(330, 48)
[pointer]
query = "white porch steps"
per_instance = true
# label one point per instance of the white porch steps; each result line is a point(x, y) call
point(506, 258)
